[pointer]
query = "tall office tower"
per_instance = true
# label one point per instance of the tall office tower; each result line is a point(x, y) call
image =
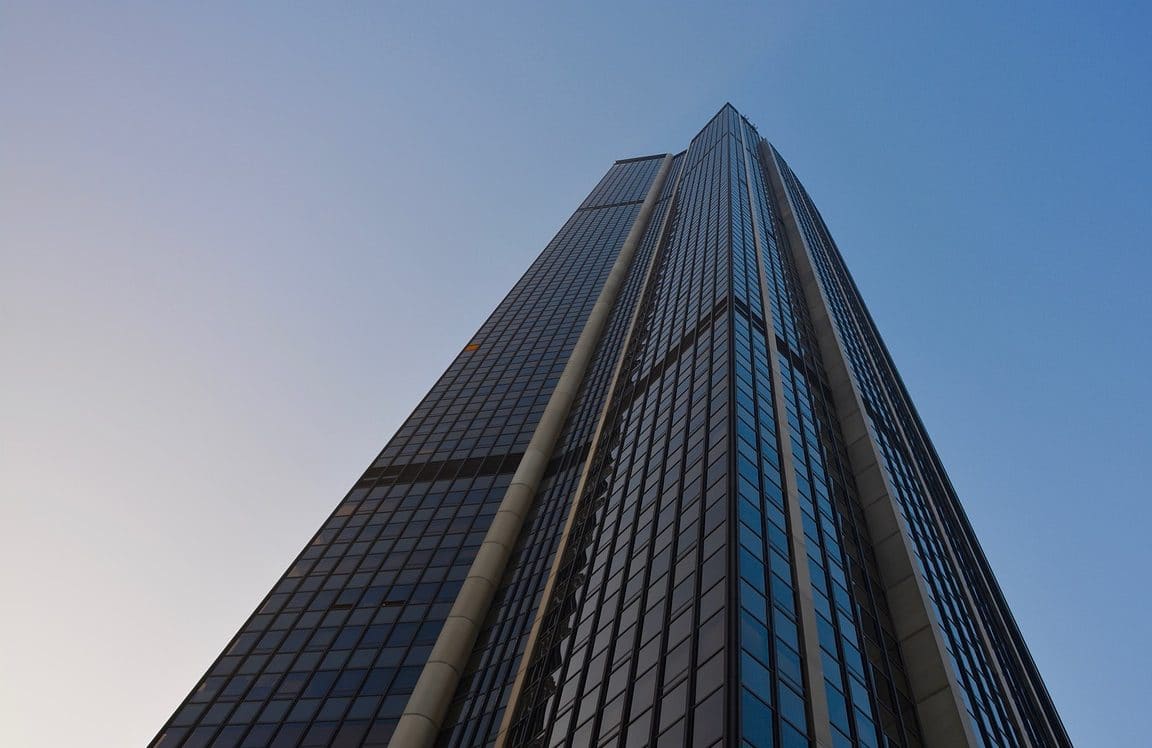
point(673, 492)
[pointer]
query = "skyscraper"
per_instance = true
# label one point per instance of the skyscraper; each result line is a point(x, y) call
point(673, 492)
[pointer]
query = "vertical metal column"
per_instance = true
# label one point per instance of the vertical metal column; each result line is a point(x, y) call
point(821, 723)
point(931, 674)
point(424, 713)
point(565, 535)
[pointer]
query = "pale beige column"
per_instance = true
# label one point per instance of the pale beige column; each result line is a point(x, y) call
point(565, 535)
point(947, 543)
point(802, 579)
point(424, 713)
point(931, 674)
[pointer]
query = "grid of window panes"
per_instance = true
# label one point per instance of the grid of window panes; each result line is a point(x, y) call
point(983, 696)
point(331, 654)
point(868, 699)
point(633, 645)
point(1033, 704)
point(478, 706)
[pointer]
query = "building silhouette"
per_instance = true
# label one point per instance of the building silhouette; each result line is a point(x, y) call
point(673, 492)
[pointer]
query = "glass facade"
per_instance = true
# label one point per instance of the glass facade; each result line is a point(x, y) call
point(698, 567)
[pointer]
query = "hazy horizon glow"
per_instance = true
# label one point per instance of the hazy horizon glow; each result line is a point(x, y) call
point(238, 242)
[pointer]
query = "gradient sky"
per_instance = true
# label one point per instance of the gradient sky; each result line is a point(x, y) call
point(238, 242)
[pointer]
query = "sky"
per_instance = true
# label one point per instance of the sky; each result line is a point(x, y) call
point(239, 241)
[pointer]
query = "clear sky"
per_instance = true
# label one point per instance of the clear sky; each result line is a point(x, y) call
point(238, 242)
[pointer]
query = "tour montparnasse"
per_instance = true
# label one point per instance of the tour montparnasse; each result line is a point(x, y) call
point(673, 492)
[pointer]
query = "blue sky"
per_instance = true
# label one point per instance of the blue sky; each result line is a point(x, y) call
point(239, 241)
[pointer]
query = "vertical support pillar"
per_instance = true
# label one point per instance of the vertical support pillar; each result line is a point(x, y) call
point(565, 535)
point(821, 723)
point(931, 674)
point(994, 662)
point(424, 713)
